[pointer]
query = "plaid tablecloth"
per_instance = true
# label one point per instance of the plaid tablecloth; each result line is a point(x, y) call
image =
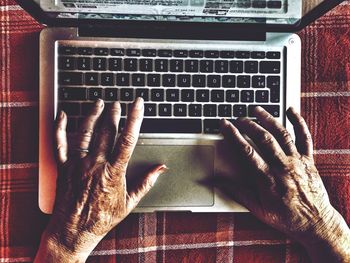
point(169, 237)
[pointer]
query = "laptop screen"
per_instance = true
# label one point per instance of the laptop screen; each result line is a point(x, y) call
point(234, 11)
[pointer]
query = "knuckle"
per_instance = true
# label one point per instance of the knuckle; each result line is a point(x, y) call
point(266, 138)
point(248, 151)
point(127, 141)
point(117, 169)
point(285, 136)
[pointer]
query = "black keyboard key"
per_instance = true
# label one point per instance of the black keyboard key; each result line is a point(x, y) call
point(243, 81)
point(171, 126)
point(138, 80)
point(239, 111)
point(66, 63)
point(217, 96)
point(262, 96)
point(225, 110)
point(87, 107)
point(259, 4)
point(91, 79)
point(247, 96)
point(270, 67)
point(130, 64)
point(153, 80)
point(164, 110)
point(258, 55)
point(229, 81)
point(180, 110)
point(187, 95)
point(123, 106)
point(210, 110)
point(180, 53)
point(115, 64)
point(211, 54)
point(123, 79)
point(202, 95)
point(157, 95)
point(150, 109)
point(227, 54)
point(71, 109)
point(198, 81)
point(149, 52)
point(191, 65)
point(142, 93)
point(107, 79)
point(184, 80)
point(243, 4)
point(84, 63)
point(273, 82)
point(72, 93)
point(275, 95)
point(274, 110)
point(84, 51)
point(195, 110)
point(133, 52)
point(232, 96)
point(95, 93)
point(111, 94)
point(206, 66)
point(214, 81)
point(236, 66)
point(169, 80)
point(221, 66)
point(242, 54)
point(118, 52)
point(127, 94)
point(196, 53)
point(258, 82)
point(273, 55)
point(66, 50)
point(72, 125)
point(274, 4)
point(70, 78)
point(99, 64)
point(161, 65)
point(165, 53)
point(212, 126)
point(173, 95)
point(176, 65)
point(101, 51)
point(251, 67)
point(146, 65)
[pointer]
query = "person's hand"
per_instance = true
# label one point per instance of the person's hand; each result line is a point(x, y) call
point(281, 185)
point(92, 193)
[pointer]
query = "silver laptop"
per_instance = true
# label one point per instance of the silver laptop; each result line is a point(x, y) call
point(193, 61)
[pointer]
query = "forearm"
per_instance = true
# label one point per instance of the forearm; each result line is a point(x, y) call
point(333, 244)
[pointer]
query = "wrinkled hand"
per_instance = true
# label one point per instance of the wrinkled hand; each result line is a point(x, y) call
point(92, 195)
point(281, 185)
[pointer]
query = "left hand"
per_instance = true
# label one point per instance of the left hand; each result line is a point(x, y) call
point(92, 195)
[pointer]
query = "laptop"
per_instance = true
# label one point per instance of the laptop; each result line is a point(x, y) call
point(193, 61)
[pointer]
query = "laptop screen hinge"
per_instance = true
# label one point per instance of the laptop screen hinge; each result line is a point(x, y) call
point(175, 31)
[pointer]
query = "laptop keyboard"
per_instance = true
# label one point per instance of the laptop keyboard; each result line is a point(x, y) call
point(185, 91)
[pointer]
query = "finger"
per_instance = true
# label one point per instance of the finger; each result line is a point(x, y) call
point(266, 143)
point(302, 133)
point(281, 134)
point(145, 186)
point(107, 134)
point(86, 130)
point(245, 150)
point(61, 138)
point(128, 139)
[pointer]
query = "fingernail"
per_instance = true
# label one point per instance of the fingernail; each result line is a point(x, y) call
point(224, 123)
point(99, 103)
point(61, 114)
point(116, 105)
point(258, 108)
point(162, 169)
point(138, 104)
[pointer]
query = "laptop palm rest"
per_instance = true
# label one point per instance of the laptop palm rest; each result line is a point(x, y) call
point(181, 185)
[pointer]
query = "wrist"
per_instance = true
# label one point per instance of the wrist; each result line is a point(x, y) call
point(330, 240)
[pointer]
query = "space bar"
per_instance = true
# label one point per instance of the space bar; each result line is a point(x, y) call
point(171, 126)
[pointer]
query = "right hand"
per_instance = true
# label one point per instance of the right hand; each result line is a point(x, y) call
point(281, 185)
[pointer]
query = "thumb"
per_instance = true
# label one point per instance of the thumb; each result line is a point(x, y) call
point(145, 185)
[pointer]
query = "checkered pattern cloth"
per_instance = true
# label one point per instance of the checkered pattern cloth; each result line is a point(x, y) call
point(169, 237)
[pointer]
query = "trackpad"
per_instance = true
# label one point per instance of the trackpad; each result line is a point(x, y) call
point(180, 186)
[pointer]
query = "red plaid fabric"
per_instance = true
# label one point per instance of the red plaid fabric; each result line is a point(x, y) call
point(169, 237)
